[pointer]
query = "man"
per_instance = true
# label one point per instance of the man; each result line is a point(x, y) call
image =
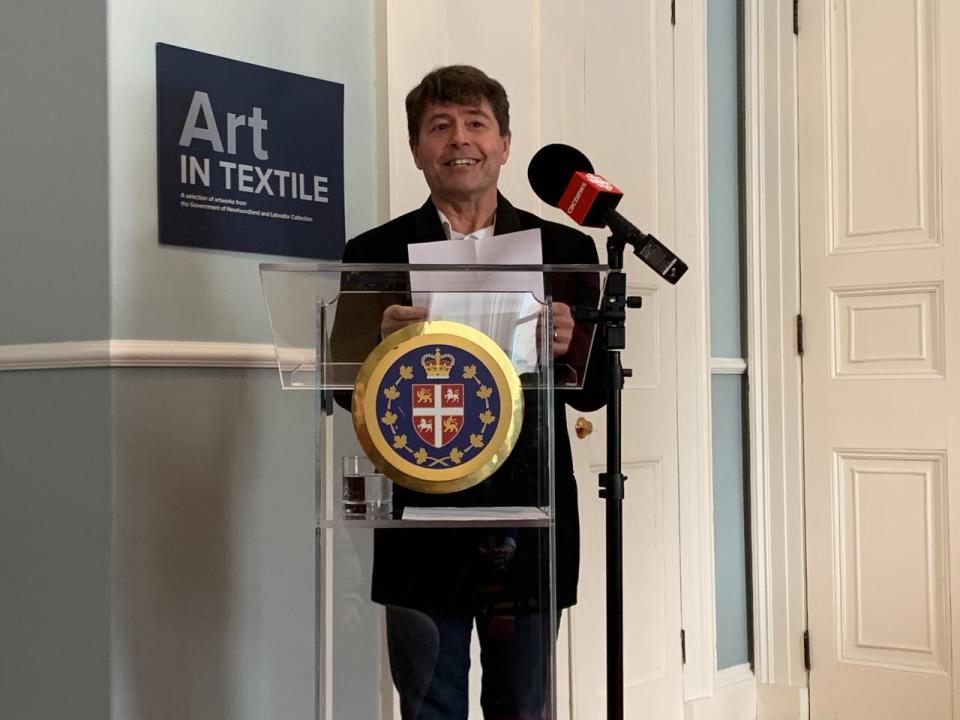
point(435, 584)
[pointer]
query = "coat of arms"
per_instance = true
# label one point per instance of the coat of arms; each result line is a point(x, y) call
point(437, 406)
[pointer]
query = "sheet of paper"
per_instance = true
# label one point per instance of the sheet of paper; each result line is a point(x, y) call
point(474, 514)
point(517, 248)
point(503, 305)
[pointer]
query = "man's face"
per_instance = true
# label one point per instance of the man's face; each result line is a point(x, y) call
point(460, 151)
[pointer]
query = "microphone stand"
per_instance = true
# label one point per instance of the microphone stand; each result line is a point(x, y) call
point(611, 318)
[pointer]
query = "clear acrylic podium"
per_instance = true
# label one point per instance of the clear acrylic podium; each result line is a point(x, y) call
point(399, 577)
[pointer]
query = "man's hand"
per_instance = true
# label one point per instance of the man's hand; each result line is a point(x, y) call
point(562, 328)
point(399, 316)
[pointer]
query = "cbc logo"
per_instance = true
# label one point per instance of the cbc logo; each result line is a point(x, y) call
point(599, 182)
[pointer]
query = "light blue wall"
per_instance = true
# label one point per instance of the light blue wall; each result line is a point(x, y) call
point(55, 426)
point(728, 512)
point(215, 468)
point(55, 544)
point(156, 525)
point(725, 337)
point(724, 179)
point(174, 293)
point(54, 282)
point(214, 558)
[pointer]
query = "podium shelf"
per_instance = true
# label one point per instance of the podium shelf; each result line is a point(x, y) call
point(448, 517)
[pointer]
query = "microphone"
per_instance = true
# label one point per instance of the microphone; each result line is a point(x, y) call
point(562, 176)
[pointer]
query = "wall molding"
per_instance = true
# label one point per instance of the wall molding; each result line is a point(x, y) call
point(136, 353)
point(728, 366)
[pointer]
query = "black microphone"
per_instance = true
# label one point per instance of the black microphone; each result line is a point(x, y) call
point(562, 176)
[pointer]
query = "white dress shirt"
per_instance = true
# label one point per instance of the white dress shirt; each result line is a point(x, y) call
point(454, 235)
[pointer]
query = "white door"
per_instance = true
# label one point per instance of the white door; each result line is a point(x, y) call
point(879, 159)
point(626, 130)
point(598, 76)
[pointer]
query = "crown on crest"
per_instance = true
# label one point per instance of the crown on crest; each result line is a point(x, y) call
point(438, 366)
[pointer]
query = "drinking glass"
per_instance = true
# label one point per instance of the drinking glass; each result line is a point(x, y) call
point(366, 492)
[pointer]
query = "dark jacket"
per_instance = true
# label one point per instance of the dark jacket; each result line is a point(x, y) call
point(439, 568)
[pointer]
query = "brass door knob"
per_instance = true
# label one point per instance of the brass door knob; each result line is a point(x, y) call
point(583, 427)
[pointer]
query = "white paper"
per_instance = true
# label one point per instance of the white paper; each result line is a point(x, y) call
point(474, 514)
point(503, 305)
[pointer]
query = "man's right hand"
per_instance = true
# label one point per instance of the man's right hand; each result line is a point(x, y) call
point(399, 316)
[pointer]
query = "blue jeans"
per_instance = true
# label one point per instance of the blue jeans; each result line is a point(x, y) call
point(430, 662)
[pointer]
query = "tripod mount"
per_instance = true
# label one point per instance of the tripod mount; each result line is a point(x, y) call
point(611, 321)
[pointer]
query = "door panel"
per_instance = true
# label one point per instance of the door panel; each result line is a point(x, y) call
point(627, 133)
point(877, 283)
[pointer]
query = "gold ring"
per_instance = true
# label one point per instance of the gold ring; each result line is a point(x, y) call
point(556, 335)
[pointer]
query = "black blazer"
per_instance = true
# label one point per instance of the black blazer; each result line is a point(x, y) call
point(440, 568)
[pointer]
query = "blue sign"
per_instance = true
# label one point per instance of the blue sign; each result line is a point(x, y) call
point(248, 158)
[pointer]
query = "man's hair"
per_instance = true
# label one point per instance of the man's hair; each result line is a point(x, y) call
point(456, 85)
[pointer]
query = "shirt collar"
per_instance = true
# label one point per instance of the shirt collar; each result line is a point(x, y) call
point(452, 234)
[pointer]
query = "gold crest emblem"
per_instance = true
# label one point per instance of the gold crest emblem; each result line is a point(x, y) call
point(437, 406)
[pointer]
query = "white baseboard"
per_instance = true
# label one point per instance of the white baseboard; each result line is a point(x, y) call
point(136, 353)
point(735, 697)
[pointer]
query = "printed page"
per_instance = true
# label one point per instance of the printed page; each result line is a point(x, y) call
point(474, 514)
point(504, 306)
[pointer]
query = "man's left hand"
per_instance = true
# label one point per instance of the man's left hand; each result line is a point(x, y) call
point(562, 328)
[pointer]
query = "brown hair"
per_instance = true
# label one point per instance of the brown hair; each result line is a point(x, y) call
point(456, 85)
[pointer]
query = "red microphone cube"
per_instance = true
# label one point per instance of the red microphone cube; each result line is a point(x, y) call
point(588, 192)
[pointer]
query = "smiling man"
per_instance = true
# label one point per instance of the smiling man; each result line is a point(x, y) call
point(460, 149)
point(436, 584)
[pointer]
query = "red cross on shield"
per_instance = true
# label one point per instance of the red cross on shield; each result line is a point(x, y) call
point(437, 412)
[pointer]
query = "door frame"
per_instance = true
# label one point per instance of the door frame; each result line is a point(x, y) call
point(774, 405)
point(773, 258)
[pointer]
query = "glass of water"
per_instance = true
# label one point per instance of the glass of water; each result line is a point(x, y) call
point(366, 492)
